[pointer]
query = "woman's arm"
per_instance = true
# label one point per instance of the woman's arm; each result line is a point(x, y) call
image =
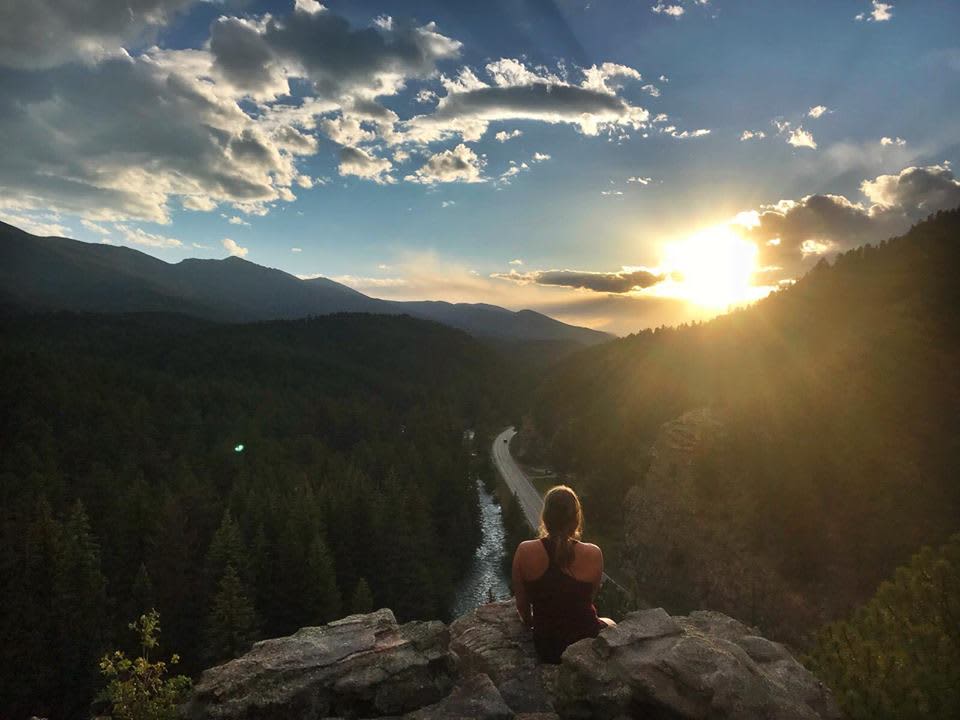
point(520, 590)
point(598, 571)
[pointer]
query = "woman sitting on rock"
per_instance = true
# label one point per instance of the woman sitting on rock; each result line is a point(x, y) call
point(556, 578)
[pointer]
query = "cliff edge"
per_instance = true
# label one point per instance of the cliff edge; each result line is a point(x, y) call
point(652, 665)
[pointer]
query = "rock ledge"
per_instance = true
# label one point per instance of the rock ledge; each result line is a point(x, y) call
point(702, 666)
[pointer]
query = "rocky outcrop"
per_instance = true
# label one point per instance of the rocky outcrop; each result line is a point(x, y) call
point(360, 666)
point(705, 666)
point(492, 640)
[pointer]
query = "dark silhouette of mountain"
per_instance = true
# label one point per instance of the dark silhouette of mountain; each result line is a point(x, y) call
point(54, 273)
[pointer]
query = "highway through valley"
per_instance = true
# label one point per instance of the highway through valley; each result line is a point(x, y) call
point(530, 500)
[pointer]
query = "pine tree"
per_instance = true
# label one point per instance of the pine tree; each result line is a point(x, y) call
point(362, 599)
point(321, 593)
point(226, 548)
point(82, 605)
point(898, 656)
point(232, 623)
point(31, 628)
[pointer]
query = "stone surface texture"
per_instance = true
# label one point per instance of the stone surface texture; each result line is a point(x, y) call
point(705, 666)
point(360, 666)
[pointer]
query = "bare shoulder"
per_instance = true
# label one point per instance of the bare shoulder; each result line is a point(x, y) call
point(591, 550)
point(527, 546)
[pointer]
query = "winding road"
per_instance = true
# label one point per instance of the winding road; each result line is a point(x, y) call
point(530, 500)
point(516, 480)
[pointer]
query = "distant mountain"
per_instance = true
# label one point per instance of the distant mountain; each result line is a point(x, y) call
point(52, 273)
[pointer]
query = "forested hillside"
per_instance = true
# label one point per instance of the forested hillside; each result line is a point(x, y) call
point(837, 401)
point(244, 480)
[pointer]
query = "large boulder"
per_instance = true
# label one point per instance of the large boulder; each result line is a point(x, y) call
point(706, 666)
point(491, 640)
point(360, 666)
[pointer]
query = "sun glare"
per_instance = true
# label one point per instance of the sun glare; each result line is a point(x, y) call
point(715, 268)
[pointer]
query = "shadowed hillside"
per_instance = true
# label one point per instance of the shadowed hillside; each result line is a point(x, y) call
point(834, 440)
point(245, 480)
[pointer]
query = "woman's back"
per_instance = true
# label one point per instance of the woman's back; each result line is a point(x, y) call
point(556, 578)
point(561, 598)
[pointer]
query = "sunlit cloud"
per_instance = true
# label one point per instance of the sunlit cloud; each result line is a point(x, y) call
point(233, 248)
point(799, 137)
point(665, 9)
point(139, 236)
point(459, 164)
point(881, 12)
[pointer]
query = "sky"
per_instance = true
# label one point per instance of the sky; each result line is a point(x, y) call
point(619, 165)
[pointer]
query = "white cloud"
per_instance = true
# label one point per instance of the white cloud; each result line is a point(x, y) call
point(671, 10)
point(235, 250)
point(752, 135)
point(296, 250)
point(516, 261)
point(94, 227)
point(640, 180)
point(364, 283)
point(515, 168)
point(360, 163)
point(43, 225)
point(448, 203)
point(311, 7)
point(540, 157)
point(817, 110)
point(459, 164)
point(503, 136)
point(139, 236)
point(683, 135)
point(881, 12)
point(791, 231)
point(801, 138)
point(46, 33)
point(898, 141)
point(609, 193)
point(69, 154)
point(518, 92)
point(237, 220)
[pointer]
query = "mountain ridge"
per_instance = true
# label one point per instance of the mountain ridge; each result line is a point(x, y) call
point(54, 273)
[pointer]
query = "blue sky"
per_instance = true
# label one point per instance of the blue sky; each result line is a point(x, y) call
point(592, 160)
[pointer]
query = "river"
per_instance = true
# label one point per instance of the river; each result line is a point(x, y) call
point(486, 574)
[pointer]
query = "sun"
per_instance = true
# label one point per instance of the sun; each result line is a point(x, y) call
point(713, 268)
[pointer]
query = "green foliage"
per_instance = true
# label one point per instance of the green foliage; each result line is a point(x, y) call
point(354, 467)
point(138, 688)
point(362, 599)
point(232, 624)
point(898, 656)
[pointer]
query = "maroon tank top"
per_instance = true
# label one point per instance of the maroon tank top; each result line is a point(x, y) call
point(563, 610)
